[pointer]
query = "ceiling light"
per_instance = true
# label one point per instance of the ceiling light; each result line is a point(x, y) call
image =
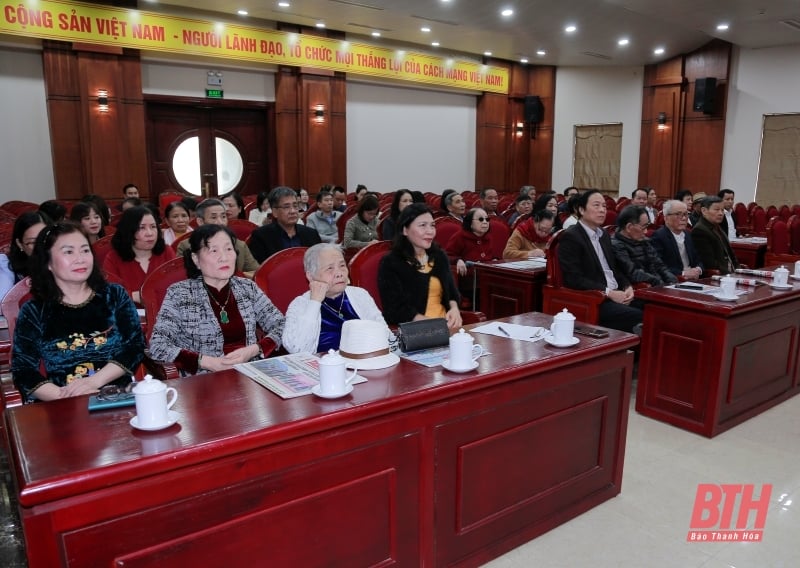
point(283, 4)
point(659, 51)
point(425, 29)
point(376, 34)
point(722, 27)
point(569, 29)
point(507, 12)
point(487, 53)
point(435, 43)
point(541, 52)
point(523, 60)
point(623, 41)
point(242, 12)
point(320, 24)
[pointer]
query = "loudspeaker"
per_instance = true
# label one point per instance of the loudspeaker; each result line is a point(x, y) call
point(704, 91)
point(534, 111)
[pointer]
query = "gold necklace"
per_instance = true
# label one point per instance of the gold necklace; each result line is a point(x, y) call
point(331, 308)
point(223, 314)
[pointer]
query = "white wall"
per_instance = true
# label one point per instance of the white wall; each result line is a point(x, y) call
point(763, 81)
point(179, 79)
point(596, 95)
point(412, 138)
point(26, 159)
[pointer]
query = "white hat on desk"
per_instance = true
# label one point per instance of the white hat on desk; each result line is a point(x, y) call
point(364, 345)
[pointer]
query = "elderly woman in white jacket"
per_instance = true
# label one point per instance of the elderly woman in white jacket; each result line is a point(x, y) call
point(314, 320)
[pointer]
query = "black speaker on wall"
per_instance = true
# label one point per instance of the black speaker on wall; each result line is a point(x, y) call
point(704, 91)
point(534, 110)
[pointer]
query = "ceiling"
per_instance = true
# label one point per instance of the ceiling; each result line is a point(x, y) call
point(475, 26)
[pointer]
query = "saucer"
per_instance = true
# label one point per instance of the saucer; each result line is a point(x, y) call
point(722, 297)
point(172, 418)
point(446, 365)
point(316, 389)
point(793, 277)
point(778, 287)
point(551, 341)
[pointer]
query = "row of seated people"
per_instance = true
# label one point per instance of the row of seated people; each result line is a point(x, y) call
point(80, 333)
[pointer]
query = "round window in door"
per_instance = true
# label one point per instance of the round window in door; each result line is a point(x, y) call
point(189, 174)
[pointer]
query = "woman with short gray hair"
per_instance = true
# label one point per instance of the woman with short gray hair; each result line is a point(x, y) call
point(314, 320)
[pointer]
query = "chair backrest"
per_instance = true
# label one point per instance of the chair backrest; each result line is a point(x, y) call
point(154, 289)
point(611, 217)
point(242, 228)
point(772, 211)
point(500, 232)
point(177, 241)
point(101, 248)
point(282, 277)
point(785, 212)
point(446, 227)
point(778, 236)
point(13, 301)
point(759, 220)
point(741, 215)
point(554, 277)
point(341, 222)
point(794, 233)
point(364, 268)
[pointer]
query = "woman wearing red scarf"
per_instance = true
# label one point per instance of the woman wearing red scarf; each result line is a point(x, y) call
point(473, 243)
point(530, 238)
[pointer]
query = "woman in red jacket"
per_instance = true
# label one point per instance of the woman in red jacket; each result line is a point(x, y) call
point(472, 244)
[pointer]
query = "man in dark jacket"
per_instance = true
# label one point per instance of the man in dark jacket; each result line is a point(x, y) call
point(673, 243)
point(632, 249)
point(711, 243)
point(283, 232)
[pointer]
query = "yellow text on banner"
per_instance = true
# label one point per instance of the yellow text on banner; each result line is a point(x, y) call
point(73, 21)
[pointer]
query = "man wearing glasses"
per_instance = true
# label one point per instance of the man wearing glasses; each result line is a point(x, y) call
point(284, 232)
point(673, 243)
point(633, 251)
point(212, 212)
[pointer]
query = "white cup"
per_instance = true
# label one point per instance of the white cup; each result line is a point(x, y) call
point(463, 351)
point(780, 276)
point(333, 379)
point(151, 402)
point(727, 285)
point(797, 269)
point(563, 326)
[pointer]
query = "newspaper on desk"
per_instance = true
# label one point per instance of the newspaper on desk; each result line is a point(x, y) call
point(529, 264)
point(287, 376)
point(708, 290)
point(512, 331)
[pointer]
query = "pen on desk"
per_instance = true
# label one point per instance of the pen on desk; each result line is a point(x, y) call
point(503, 331)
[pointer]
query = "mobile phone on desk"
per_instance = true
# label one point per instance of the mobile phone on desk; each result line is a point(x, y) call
point(689, 286)
point(590, 331)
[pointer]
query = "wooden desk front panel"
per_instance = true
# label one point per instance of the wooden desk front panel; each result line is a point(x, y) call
point(302, 504)
point(707, 371)
point(751, 254)
point(507, 292)
point(530, 456)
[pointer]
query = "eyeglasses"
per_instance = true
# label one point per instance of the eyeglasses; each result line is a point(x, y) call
point(642, 226)
point(679, 214)
point(481, 219)
point(114, 392)
point(288, 207)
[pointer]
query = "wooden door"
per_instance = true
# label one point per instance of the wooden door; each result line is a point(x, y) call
point(221, 147)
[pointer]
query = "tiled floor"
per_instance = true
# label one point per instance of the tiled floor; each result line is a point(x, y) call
point(646, 525)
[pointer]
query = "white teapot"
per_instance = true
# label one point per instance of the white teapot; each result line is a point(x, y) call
point(563, 326)
point(333, 379)
point(152, 408)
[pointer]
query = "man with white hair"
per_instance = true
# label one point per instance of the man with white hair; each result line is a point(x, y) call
point(674, 244)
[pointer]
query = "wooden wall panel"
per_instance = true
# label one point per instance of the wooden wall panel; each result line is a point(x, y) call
point(317, 154)
point(287, 117)
point(505, 160)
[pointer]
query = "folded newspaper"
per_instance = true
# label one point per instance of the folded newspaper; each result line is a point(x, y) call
point(287, 376)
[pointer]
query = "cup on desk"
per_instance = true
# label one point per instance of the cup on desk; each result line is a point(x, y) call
point(563, 326)
point(463, 351)
point(152, 407)
point(780, 276)
point(333, 379)
point(797, 269)
point(727, 285)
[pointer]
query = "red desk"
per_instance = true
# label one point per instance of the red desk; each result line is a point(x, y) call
point(749, 253)
point(708, 365)
point(505, 291)
point(418, 467)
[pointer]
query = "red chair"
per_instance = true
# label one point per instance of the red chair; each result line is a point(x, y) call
point(772, 211)
point(584, 304)
point(16, 207)
point(282, 276)
point(101, 248)
point(341, 222)
point(446, 227)
point(12, 302)
point(177, 241)
point(611, 217)
point(794, 233)
point(154, 289)
point(742, 217)
point(785, 212)
point(758, 221)
point(500, 233)
point(364, 268)
point(779, 246)
point(242, 228)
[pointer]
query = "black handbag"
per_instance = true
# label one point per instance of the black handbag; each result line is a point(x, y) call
point(423, 334)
